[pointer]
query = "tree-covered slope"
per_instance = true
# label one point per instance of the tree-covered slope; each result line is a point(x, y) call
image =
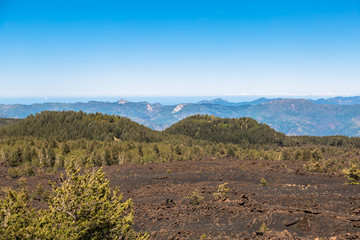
point(76, 125)
point(243, 131)
point(338, 116)
point(7, 121)
point(70, 125)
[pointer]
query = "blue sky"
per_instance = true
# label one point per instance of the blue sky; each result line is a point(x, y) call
point(179, 48)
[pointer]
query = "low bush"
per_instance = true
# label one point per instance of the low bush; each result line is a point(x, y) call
point(263, 182)
point(222, 192)
point(196, 197)
point(83, 207)
point(352, 174)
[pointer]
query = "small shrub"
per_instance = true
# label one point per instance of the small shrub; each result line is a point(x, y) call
point(13, 172)
point(222, 192)
point(196, 197)
point(352, 174)
point(83, 207)
point(40, 193)
point(23, 171)
point(313, 166)
point(22, 183)
point(263, 182)
point(39, 190)
point(231, 152)
point(263, 228)
point(203, 236)
point(27, 171)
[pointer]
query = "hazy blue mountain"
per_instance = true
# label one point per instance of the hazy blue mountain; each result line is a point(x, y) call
point(339, 100)
point(219, 101)
point(290, 116)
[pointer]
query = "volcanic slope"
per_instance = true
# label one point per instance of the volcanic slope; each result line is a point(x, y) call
point(70, 125)
point(243, 131)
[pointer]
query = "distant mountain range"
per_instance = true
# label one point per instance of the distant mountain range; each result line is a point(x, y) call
point(333, 116)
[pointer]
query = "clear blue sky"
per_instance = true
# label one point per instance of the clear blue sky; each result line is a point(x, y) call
point(179, 48)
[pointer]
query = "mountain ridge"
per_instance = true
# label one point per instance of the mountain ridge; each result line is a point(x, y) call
point(333, 116)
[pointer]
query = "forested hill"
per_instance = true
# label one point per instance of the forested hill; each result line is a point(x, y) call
point(293, 117)
point(243, 131)
point(70, 125)
point(246, 132)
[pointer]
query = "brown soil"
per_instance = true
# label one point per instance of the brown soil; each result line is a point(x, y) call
point(294, 205)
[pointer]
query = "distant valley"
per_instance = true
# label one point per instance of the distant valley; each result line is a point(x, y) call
point(322, 117)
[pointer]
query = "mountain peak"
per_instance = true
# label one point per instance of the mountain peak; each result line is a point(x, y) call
point(122, 101)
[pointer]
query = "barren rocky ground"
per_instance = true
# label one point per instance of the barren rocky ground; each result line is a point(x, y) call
point(294, 205)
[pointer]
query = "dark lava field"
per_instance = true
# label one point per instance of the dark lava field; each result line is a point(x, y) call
point(293, 205)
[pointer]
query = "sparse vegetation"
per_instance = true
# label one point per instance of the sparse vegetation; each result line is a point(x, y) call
point(13, 172)
point(263, 228)
point(45, 143)
point(263, 182)
point(196, 197)
point(352, 174)
point(203, 236)
point(222, 192)
point(30, 144)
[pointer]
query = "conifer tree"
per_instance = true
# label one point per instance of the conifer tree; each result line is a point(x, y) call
point(83, 207)
point(16, 216)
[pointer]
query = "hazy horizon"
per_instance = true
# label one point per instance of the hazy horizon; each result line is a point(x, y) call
point(165, 100)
